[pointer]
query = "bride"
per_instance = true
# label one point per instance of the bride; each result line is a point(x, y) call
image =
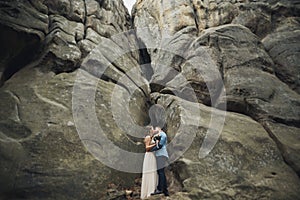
point(149, 177)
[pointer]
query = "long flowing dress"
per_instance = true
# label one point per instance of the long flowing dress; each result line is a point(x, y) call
point(149, 177)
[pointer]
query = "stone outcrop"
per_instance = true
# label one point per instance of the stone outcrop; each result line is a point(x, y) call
point(70, 67)
point(244, 164)
point(41, 152)
point(62, 31)
point(45, 42)
point(283, 47)
point(244, 49)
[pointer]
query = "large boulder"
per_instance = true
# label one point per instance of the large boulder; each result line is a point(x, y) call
point(43, 154)
point(245, 162)
point(234, 55)
point(55, 34)
point(283, 46)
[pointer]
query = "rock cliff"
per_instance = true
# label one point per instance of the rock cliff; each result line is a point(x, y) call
point(75, 72)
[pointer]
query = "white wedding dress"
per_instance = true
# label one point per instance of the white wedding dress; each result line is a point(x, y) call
point(149, 177)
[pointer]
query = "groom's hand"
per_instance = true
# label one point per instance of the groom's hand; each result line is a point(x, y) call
point(157, 143)
point(157, 146)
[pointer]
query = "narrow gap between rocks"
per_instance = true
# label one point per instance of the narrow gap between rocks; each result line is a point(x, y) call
point(280, 148)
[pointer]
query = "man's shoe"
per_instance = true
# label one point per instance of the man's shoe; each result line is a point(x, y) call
point(156, 192)
point(166, 194)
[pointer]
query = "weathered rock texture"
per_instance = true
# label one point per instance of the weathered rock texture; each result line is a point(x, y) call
point(244, 164)
point(195, 58)
point(42, 156)
point(249, 47)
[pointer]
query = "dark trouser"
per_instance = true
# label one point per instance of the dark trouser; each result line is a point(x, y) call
point(162, 181)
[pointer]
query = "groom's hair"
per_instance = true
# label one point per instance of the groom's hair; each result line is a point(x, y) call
point(164, 129)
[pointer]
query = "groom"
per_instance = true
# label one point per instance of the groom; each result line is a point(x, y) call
point(161, 160)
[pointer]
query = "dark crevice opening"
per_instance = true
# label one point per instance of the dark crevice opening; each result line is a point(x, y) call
point(145, 60)
point(288, 122)
point(17, 50)
point(155, 87)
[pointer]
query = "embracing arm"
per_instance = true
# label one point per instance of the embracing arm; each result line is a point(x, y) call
point(148, 146)
point(161, 143)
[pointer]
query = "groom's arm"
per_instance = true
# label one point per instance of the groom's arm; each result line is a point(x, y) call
point(160, 143)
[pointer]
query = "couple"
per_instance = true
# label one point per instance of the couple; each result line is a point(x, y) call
point(155, 160)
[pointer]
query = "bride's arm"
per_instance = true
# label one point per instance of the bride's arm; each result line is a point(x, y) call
point(148, 146)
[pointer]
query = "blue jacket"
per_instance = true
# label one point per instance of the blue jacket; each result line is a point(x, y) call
point(161, 150)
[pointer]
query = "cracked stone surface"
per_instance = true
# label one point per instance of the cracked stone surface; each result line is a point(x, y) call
point(195, 58)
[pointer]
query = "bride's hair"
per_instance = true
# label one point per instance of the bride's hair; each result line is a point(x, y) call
point(148, 129)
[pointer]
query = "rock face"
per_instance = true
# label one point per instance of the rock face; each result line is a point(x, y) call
point(246, 50)
point(73, 73)
point(42, 155)
point(244, 164)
